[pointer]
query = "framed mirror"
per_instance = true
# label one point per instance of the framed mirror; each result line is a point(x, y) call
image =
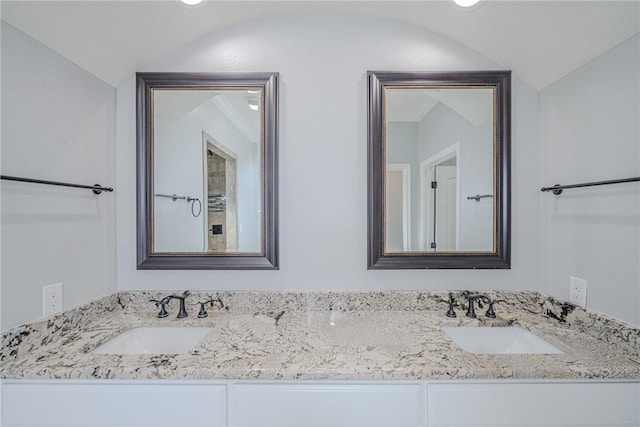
point(439, 171)
point(207, 171)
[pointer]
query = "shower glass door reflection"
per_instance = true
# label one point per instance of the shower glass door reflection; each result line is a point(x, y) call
point(442, 222)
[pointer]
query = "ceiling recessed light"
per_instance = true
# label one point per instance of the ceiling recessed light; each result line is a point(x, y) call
point(253, 105)
point(192, 3)
point(466, 3)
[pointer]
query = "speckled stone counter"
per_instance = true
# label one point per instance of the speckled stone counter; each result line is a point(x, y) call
point(316, 336)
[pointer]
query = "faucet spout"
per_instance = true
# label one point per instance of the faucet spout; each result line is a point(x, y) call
point(471, 298)
point(183, 311)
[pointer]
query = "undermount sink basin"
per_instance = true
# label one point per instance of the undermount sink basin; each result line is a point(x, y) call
point(499, 340)
point(154, 340)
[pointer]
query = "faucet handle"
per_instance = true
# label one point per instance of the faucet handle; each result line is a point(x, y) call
point(203, 312)
point(452, 303)
point(162, 304)
point(490, 313)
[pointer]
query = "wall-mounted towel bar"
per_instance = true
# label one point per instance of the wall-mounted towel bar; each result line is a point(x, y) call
point(477, 197)
point(193, 201)
point(97, 188)
point(557, 189)
point(172, 196)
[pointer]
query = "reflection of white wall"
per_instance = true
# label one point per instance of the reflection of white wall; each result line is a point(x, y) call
point(402, 148)
point(179, 170)
point(398, 207)
point(394, 223)
point(442, 128)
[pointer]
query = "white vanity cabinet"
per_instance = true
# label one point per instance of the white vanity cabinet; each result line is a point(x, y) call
point(164, 403)
point(533, 404)
point(327, 404)
point(112, 403)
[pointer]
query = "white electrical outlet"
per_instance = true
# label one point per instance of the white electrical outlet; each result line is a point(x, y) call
point(52, 299)
point(577, 291)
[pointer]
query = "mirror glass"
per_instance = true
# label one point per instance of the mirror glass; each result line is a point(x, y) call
point(206, 174)
point(439, 169)
point(438, 177)
point(206, 170)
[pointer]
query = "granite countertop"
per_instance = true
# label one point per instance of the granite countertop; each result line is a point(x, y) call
point(316, 336)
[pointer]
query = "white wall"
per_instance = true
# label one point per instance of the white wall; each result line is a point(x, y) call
point(322, 61)
point(589, 124)
point(57, 124)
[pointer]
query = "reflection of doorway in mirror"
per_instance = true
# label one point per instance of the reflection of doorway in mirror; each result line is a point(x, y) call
point(398, 207)
point(439, 220)
point(220, 188)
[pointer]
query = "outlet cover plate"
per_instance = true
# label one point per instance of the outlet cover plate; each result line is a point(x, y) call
point(578, 291)
point(52, 299)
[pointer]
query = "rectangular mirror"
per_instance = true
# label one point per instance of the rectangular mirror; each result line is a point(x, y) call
point(207, 169)
point(439, 170)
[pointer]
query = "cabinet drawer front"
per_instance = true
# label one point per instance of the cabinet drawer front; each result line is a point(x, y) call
point(113, 405)
point(346, 405)
point(535, 404)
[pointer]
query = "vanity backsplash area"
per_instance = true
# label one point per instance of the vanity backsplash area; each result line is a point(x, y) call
point(395, 335)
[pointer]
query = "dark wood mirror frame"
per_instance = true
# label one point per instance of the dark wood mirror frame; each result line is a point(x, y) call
point(500, 258)
point(267, 259)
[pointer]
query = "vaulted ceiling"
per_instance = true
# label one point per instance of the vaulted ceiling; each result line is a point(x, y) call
point(541, 41)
